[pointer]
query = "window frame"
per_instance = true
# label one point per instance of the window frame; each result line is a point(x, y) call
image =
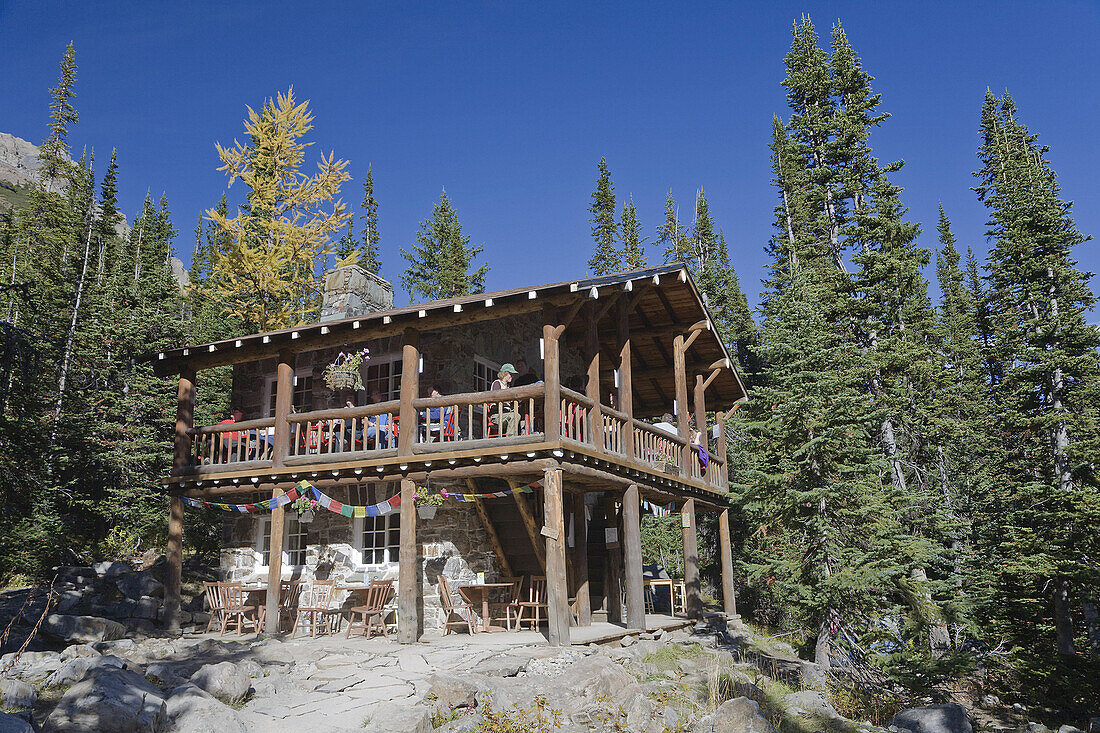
point(390, 549)
point(393, 391)
point(493, 369)
point(263, 530)
point(270, 391)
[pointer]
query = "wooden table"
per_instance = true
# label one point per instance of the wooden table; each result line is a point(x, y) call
point(470, 593)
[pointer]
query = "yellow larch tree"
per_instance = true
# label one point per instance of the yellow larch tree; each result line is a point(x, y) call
point(282, 236)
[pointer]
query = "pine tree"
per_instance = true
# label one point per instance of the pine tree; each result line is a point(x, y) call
point(283, 235)
point(370, 253)
point(54, 152)
point(672, 235)
point(606, 259)
point(347, 246)
point(441, 258)
point(633, 254)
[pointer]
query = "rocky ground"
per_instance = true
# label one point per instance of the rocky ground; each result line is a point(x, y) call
point(83, 672)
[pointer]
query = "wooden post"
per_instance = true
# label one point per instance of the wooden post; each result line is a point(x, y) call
point(720, 419)
point(701, 410)
point(626, 385)
point(729, 596)
point(682, 411)
point(592, 386)
point(613, 581)
point(275, 566)
point(551, 408)
point(580, 562)
point(280, 447)
point(557, 588)
point(410, 390)
point(693, 602)
point(408, 576)
point(185, 420)
point(632, 558)
point(529, 524)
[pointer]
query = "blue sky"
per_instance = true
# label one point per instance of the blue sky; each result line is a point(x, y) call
point(511, 105)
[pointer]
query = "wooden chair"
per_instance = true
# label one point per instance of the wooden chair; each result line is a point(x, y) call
point(451, 608)
point(214, 603)
point(314, 608)
point(535, 602)
point(290, 592)
point(508, 611)
point(679, 598)
point(374, 607)
point(235, 612)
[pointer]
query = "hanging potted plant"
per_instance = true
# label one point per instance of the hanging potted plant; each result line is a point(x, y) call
point(306, 506)
point(427, 502)
point(343, 372)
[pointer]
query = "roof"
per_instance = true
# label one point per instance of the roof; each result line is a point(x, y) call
point(664, 301)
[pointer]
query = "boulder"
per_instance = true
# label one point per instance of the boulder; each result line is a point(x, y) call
point(146, 607)
point(14, 724)
point(136, 585)
point(15, 694)
point(400, 719)
point(164, 673)
point(111, 569)
point(224, 680)
point(946, 718)
point(78, 650)
point(192, 710)
point(451, 691)
point(82, 628)
point(628, 641)
point(30, 665)
point(75, 670)
point(109, 700)
point(1069, 729)
point(76, 574)
point(990, 702)
point(811, 701)
point(739, 715)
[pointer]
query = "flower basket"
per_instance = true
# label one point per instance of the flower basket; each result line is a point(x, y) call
point(343, 372)
point(306, 507)
point(306, 517)
point(426, 511)
point(427, 502)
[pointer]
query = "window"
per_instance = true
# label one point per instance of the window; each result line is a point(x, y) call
point(379, 539)
point(485, 373)
point(303, 394)
point(294, 542)
point(384, 375)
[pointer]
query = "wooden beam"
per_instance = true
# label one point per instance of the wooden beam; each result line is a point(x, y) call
point(665, 302)
point(275, 566)
point(490, 530)
point(720, 419)
point(552, 378)
point(691, 339)
point(632, 558)
point(701, 410)
point(529, 524)
point(613, 582)
point(606, 306)
point(557, 587)
point(626, 380)
point(410, 390)
point(693, 602)
point(580, 562)
point(284, 399)
point(185, 420)
point(408, 575)
point(710, 378)
point(682, 410)
point(729, 596)
point(592, 387)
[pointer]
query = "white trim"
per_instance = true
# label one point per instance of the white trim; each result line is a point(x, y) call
point(258, 543)
point(390, 551)
point(492, 366)
point(269, 389)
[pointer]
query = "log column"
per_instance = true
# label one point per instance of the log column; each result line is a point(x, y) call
point(551, 408)
point(592, 386)
point(580, 562)
point(720, 420)
point(729, 598)
point(410, 390)
point(682, 412)
point(693, 602)
point(557, 584)
point(185, 420)
point(280, 447)
point(408, 580)
point(632, 558)
point(626, 385)
point(613, 587)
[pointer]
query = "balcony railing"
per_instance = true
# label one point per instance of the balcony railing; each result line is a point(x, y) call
point(471, 421)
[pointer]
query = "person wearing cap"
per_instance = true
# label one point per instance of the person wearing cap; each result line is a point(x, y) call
point(502, 415)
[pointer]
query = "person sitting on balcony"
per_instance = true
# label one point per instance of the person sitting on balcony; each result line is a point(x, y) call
point(667, 424)
point(438, 424)
point(378, 426)
point(526, 374)
point(231, 440)
point(698, 444)
point(501, 415)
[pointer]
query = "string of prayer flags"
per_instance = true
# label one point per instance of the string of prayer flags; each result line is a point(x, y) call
point(200, 504)
point(389, 506)
point(494, 495)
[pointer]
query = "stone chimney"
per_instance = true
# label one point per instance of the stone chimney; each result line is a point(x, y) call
point(352, 291)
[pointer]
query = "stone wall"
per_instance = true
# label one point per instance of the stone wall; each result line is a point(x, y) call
point(453, 543)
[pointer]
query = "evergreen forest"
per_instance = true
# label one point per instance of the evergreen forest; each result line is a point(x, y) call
point(913, 478)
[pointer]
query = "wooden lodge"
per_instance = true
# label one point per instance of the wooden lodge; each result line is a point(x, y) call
point(611, 356)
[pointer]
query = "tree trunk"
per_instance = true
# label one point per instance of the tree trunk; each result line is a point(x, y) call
point(1063, 618)
point(939, 637)
point(824, 646)
point(1092, 624)
point(66, 357)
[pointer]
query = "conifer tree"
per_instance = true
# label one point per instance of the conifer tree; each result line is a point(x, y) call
point(672, 235)
point(633, 255)
point(606, 258)
point(441, 258)
point(54, 152)
point(370, 253)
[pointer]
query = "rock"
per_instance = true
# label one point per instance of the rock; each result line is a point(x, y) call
point(136, 585)
point(251, 669)
point(1069, 729)
point(739, 715)
point(811, 701)
point(14, 724)
point(1019, 708)
point(947, 718)
point(146, 607)
point(452, 691)
point(31, 665)
point(82, 628)
point(1094, 725)
point(165, 673)
point(990, 702)
point(813, 674)
point(192, 710)
point(78, 650)
point(400, 719)
point(1037, 728)
point(77, 574)
point(75, 670)
point(109, 700)
point(224, 680)
point(627, 641)
point(15, 694)
point(111, 569)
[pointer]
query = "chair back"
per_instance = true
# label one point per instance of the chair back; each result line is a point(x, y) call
point(516, 591)
point(289, 593)
point(388, 582)
point(213, 596)
point(536, 589)
point(445, 598)
point(232, 596)
point(375, 597)
point(319, 595)
point(449, 427)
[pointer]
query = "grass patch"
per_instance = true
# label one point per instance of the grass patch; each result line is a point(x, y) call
point(669, 656)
